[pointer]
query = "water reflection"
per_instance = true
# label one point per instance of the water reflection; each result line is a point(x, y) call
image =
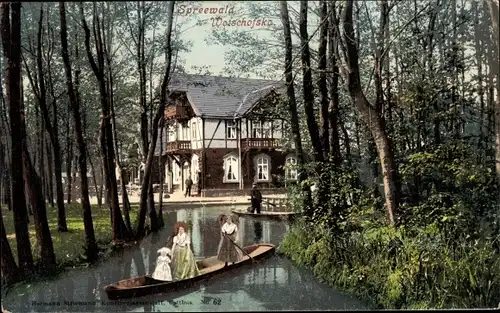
point(257, 229)
point(272, 284)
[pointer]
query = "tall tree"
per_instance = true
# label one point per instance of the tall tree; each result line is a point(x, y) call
point(109, 68)
point(322, 82)
point(369, 113)
point(51, 126)
point(91, 244)
point(37, 202)
point(292, 102)
point(493, 8)
point(120, 231)
point(333, 88)
point(11, 43)
point(164, 95)
point(308, 89)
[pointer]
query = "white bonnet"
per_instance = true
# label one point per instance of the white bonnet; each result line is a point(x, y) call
point(164, 251)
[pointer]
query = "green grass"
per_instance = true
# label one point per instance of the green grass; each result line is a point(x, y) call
point(68, 246)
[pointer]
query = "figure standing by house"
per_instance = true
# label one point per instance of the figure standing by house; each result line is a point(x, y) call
point(256, 198)
point(183, 262)
point(189, 184)
point(227, 250)
point(162, 270)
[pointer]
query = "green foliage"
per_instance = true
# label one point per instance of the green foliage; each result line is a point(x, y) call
point(445, 254)
point(397, 270)
point(448, 186)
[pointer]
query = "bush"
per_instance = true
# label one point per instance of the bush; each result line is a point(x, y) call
point(396, 270)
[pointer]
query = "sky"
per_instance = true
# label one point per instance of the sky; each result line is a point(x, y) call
point(203, 54)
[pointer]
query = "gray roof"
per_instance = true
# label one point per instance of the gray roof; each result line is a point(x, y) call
point(219, 97)
point(222, 97)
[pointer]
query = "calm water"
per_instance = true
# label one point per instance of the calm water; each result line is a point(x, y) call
point(272, 284)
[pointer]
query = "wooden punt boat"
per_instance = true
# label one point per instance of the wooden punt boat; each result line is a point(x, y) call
point(209, 267)
point(266, 214)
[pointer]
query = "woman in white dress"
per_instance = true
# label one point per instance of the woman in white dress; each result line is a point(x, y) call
point(183, 261)
point(162, 270)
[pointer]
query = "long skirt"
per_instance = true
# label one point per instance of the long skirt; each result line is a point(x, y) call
point(162, 272)
point(183, 264)
point(227, 251)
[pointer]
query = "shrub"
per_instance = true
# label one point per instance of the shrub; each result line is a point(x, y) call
point(397, 270)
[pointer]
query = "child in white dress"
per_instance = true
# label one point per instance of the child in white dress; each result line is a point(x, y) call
point(162, 271)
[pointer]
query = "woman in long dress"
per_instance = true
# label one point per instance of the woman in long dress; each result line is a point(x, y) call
point(183, 262)
point(162, 270)
point(227, 251)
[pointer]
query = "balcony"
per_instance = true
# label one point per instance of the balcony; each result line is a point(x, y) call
point(259, 143)
point(179, 147)
point(177, 112)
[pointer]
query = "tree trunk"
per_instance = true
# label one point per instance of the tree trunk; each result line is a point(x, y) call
point(41, 162)
point(164, 94)
point(49, 169)
point(91, 245)
point(308, 88)
point(161, 168)
point(125, 200)
point(8, 263)
point(347, 144)
point(370, 116)
point(94, 180)
point(36, 197)
point(493, 7)
point(292, 103)
point(107, 147)
point(12, 57)
point(478, 47)
point(153, 217)
point(54, 137)
point(69, 158)
point(39, 90)
point(322, 83)
point(333, 90)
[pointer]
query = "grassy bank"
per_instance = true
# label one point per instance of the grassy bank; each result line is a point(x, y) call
point(68, 246)
point(399, 269)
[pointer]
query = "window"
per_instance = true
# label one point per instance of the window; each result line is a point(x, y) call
point(230, 169)
point(184, 132)
point(231, 129)
point(262, 168)
point(291, 168)
point(261, 129)
point(193, 130)
point(171, 134)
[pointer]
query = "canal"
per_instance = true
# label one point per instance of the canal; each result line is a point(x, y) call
point(272, 284)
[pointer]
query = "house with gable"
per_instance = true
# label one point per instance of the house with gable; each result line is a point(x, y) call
point(222, 132)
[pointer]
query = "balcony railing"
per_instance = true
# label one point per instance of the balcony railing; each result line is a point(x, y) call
point(178, 146)
point(259, 143)
point(176, 112)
